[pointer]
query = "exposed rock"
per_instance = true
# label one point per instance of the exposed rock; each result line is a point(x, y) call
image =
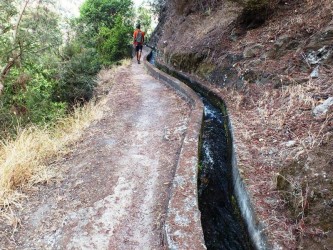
point(250, 76)
point(252, 51)
point(318, 56)
point(271, 54)
point(282, 45)
point(282, 183)
point(225, 77)
point(324, 38)
point(320, 47)
point(282, 40)
point(235, 34)
point(224, 74)
point(315, 72)
point(287, 42)
point(187, 61)
point(290, 144)
point(279, 62)
point(255, 62)
point(323, 108)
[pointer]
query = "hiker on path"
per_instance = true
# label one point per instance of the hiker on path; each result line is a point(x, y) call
point(139, 38)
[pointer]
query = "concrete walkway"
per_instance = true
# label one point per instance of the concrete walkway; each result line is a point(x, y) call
point(116, 182)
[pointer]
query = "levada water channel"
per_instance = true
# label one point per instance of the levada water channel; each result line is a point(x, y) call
point(221, 220)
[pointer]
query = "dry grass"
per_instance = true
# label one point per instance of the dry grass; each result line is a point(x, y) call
point(25, 160)
point(105, 78)
point(274, 124)
point(268, 118)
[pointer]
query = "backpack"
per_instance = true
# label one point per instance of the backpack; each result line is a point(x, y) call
point(139, 37)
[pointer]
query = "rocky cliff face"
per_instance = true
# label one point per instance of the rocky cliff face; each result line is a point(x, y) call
point(274, 65)
point(221, 41)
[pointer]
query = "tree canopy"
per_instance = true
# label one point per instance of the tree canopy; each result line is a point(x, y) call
point(45, 68)
point(103, 13)
point(108, 26)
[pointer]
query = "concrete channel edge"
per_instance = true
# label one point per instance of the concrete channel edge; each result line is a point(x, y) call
point(255, 227)
point(182, 228)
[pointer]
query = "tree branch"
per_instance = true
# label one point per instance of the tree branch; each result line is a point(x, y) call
point(11, 61)
point(19, 19)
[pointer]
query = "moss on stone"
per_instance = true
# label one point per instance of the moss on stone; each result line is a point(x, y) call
point(186, 61)
point(205, 69)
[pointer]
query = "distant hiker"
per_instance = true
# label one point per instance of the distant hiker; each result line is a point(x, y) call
point(139, 38)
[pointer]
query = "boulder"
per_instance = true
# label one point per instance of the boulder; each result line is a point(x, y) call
point(320, 47)
point(315, 72)
point(323, 108)
point(321, 55)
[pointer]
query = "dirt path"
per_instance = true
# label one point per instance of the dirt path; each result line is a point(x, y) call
point(115, 184)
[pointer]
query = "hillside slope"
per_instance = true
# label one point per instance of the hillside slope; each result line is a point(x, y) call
point(274, 66)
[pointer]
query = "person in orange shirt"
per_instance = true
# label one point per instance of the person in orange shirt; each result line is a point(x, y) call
point(139, 38)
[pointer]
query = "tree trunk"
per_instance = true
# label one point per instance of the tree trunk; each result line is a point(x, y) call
point(12, 60)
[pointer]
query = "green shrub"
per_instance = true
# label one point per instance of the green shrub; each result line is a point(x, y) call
point(38, 99)
point(27, 98)
point(76, 76)
point(114, 43)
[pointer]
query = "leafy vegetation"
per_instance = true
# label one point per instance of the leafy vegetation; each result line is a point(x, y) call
point(41, 77)
point(144, 17)
point(30, 38)
point(113, 43)
point(109, 26)
point(48, 72)
point(157, 6)
point(76, 75)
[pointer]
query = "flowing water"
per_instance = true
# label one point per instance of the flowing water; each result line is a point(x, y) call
point(222, 223)
point(220, 217)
